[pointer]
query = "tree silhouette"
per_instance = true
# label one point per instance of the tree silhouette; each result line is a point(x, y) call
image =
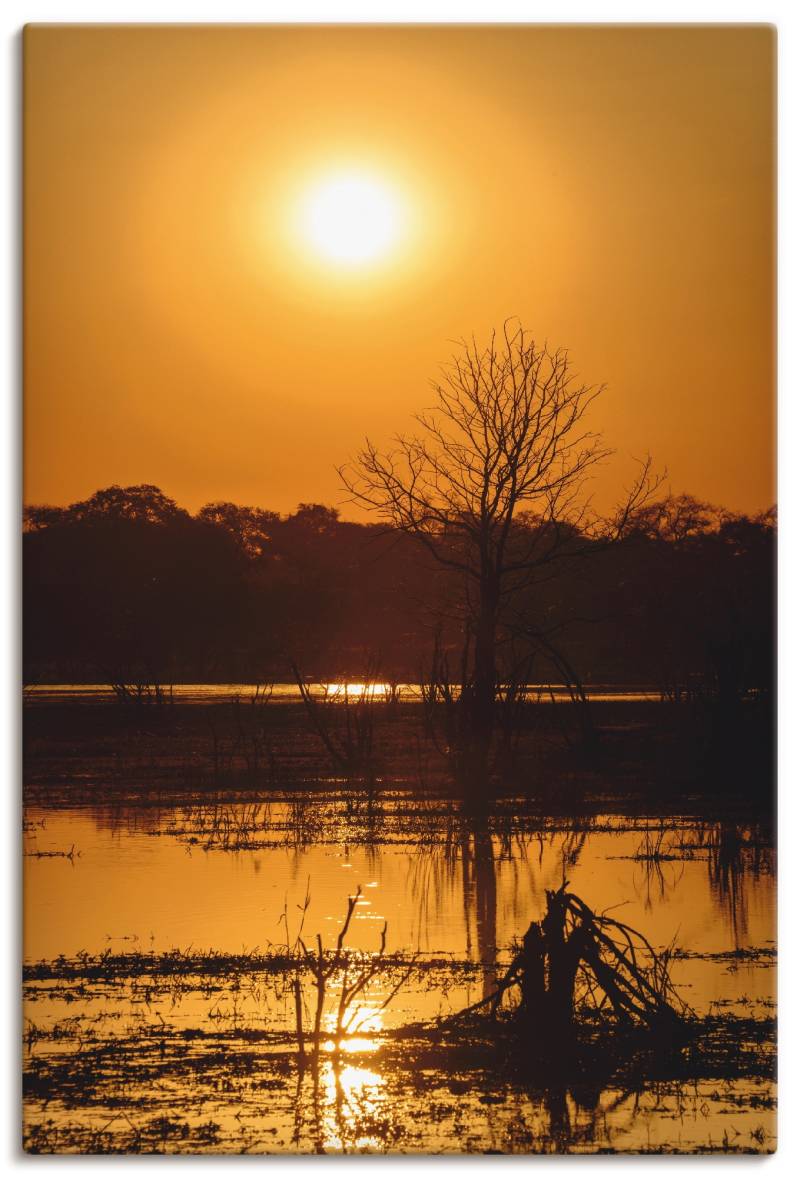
point(251, 527)
point(507, 434)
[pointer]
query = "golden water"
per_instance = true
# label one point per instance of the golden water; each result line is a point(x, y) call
point(154, 880)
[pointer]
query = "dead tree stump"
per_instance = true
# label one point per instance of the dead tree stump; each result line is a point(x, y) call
point(549, 962)
point(571, 937)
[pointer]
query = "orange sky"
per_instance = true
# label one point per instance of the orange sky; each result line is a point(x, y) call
point(612, 187)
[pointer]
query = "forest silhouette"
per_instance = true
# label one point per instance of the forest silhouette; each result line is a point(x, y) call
point(128, 586)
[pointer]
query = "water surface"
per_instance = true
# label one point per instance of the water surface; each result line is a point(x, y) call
point(229, 878)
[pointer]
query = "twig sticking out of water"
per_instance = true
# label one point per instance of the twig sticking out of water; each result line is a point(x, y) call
point(356, 977)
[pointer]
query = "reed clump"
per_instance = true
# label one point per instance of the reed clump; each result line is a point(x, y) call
point(344, 720)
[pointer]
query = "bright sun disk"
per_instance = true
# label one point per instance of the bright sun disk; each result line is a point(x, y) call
point(351, 219)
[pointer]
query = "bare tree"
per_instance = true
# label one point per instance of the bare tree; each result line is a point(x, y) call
point(507, 434)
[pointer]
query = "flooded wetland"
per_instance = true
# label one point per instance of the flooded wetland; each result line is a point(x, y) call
point(316, 968)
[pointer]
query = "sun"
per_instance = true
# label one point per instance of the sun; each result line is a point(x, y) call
point(351, 219)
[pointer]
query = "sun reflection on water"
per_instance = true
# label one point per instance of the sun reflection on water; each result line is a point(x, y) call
point(353, 1043)
point(353, 1102)
point(357, 690)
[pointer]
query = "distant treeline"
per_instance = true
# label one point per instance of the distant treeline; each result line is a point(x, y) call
point(129, 587)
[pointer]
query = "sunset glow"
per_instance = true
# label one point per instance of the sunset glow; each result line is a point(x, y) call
point(275, 184)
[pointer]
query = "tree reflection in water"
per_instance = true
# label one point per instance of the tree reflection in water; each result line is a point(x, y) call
point(736, 851)
point(472, 860)
point(480, 899)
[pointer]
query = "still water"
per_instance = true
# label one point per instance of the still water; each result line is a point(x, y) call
point(157, 879)
point(289, 692)
point(229, 879)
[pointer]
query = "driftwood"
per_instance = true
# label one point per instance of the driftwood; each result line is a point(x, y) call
point(575, 959)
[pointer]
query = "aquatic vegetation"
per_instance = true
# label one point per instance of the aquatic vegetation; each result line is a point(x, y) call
point(142, 1052)
point(137, 1047)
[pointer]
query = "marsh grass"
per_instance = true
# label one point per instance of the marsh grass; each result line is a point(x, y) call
point(155, 1082)
point(70, 854)
point(267, 1050)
